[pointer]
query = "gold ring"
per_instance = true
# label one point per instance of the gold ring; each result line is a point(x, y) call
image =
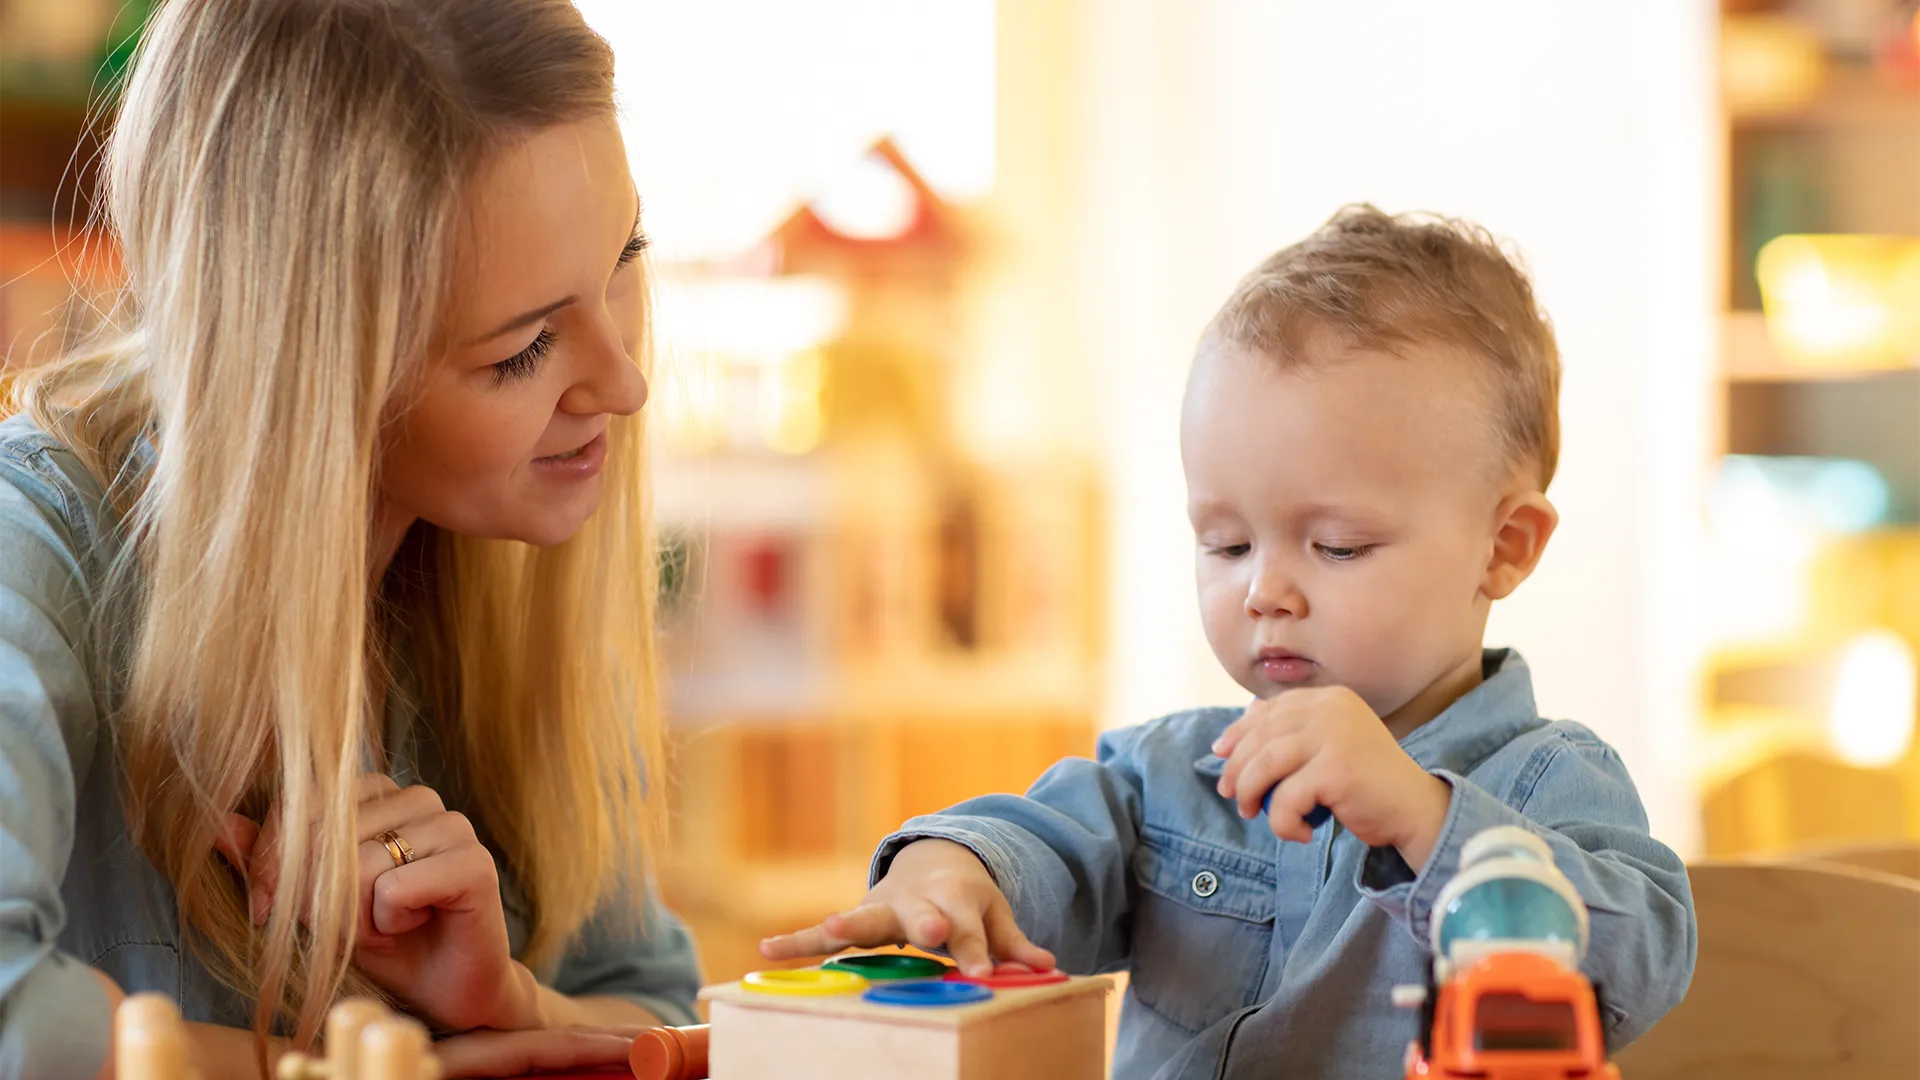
point(401, 851)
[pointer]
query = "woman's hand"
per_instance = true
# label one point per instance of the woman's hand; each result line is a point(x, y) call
point(431, 931)
point(514, 1053)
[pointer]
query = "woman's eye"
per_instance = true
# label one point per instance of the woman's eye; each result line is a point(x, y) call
point(1344, 554)
point(634, 247)
point(523, 364)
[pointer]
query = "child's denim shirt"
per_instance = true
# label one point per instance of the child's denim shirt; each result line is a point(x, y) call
point(1253, 958)
point(75, 893)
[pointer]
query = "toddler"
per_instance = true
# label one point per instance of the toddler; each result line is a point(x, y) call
point(1369, 428)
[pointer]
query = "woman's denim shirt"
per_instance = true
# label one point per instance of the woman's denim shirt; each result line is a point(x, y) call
point(1253, 958)
point(74, 890)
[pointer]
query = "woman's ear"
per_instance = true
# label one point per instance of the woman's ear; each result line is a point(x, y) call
point(1523, 524)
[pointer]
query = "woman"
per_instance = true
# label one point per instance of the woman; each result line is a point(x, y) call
point(326, 590)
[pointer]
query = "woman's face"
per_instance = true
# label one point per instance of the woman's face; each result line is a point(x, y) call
point(506, 431)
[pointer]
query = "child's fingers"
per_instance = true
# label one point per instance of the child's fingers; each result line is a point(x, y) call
point(924, 925)
point(967, 941)
point(1230, 738)
point(868, 924)
point(813, 941)
point(1009, 944)
point(1254, 770)
point(1292, 801)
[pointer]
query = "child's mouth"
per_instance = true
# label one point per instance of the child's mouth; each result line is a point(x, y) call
point(1281, 666)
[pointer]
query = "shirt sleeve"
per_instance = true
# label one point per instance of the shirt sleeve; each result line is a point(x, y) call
point(648, 960)
point(1642, 936)
point(54, 1020)
point(1060, 853)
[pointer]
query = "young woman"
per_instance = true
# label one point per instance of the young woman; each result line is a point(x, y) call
point(326, 586)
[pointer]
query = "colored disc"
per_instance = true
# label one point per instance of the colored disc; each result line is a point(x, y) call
point(1008, 977)
point(887, 967)
point(805, 982)
point(927, 993)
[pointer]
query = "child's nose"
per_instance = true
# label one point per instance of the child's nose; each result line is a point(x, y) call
point(1272, 593)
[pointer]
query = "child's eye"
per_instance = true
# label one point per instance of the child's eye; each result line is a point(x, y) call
point(523, 364)
point(1344, 554)
point(1229, 551)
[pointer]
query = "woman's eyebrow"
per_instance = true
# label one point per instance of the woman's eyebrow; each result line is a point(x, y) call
point(524, 319)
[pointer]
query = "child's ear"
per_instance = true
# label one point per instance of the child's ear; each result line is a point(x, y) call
point(1522, 526)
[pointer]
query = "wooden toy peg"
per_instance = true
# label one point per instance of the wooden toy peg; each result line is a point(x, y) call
point(670, 1053)
point(150, 1040)
point(344, 1057)
point(394, 1048)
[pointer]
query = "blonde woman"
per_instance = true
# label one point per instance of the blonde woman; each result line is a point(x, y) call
point(326, 587)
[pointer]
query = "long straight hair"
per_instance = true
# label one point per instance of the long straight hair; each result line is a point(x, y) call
point(285, 179)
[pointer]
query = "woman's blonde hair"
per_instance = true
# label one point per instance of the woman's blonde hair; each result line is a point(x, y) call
point(286, 182)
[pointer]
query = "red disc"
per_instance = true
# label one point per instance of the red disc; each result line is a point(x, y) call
point(1011, 978)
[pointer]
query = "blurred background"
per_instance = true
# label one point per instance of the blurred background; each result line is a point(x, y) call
point(928, 276)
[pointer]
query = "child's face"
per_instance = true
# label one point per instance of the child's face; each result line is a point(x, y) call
point(1345, 517)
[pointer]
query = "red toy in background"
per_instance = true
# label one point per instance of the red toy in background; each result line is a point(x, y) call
point(1505, 999)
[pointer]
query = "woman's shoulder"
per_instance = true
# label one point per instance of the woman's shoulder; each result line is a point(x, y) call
point(46, 471)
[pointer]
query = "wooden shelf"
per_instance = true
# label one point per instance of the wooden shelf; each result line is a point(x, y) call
point(1847, 97)
point(1748, 355)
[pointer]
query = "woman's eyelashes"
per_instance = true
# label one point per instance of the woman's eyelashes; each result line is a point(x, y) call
point(635, 245)
point(523, 364)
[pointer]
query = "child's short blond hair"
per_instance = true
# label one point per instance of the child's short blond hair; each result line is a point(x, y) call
point(1372, 280)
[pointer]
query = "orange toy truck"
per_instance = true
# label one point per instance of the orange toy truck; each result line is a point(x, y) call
point(1505, 999)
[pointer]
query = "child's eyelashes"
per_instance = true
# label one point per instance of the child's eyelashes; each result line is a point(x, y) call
point(523, 364)
point(1228, 551)
point(1337, 553)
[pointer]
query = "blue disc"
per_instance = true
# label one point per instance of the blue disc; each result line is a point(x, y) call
point(927, 993)
point(1315, 818)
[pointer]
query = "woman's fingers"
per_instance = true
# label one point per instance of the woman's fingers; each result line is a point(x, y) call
point(235, 841)
point(263, 856)
point(398, 810)
point(457, 880)
point(436, 837)
point(263, 872)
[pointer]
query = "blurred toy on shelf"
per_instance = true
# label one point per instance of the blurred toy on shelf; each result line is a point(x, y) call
point(866, 619)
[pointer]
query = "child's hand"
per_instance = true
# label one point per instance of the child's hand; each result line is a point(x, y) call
point(1323, 745)
point(935, 893)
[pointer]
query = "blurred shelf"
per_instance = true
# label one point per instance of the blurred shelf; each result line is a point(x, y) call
point(787, 892)
point(899, 690)
point(1848, 97)
point(1748, 355)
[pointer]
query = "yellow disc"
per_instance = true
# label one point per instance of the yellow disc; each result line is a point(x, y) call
point(806, 982)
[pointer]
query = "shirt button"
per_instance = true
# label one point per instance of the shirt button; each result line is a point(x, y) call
point(1205, 884)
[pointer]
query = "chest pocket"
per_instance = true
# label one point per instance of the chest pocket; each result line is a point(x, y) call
point(1202, 929)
